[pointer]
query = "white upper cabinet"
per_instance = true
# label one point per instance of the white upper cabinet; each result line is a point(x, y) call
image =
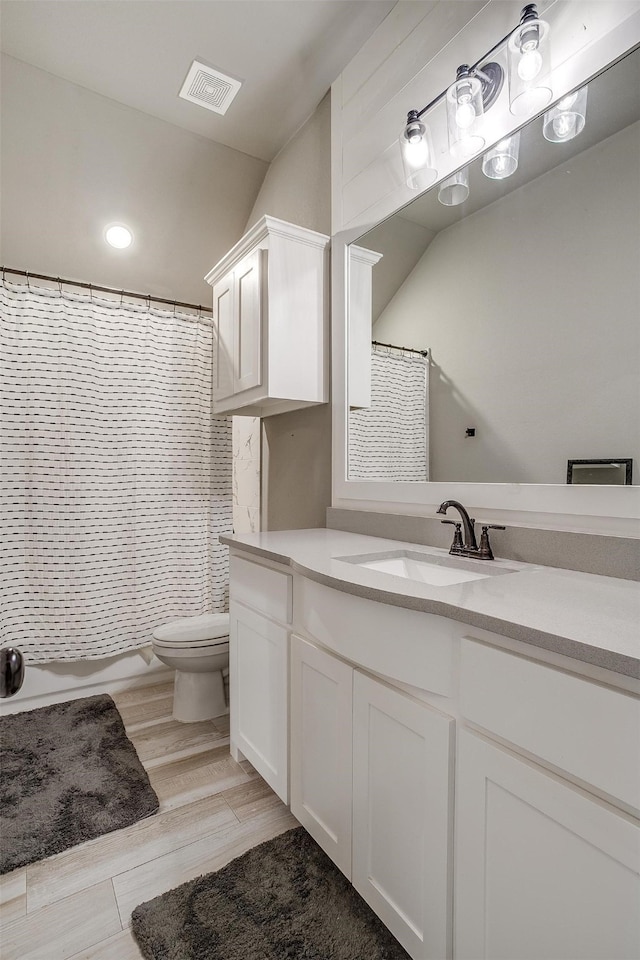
point(270, 316)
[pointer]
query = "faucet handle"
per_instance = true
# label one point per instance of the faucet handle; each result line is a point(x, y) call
point(457, 544)
point(485, 552)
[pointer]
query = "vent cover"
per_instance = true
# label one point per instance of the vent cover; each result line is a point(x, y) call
point(209, 88)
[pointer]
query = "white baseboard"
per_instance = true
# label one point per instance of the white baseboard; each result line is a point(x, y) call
point(49, 683)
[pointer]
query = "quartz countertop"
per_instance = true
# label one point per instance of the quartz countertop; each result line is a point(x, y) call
point(587, 617)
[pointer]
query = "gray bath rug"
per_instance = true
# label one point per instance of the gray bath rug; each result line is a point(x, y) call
point(283, 900)
point(68, 773)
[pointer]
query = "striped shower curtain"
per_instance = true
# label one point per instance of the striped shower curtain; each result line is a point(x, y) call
point(390, 439)
point(116, 480)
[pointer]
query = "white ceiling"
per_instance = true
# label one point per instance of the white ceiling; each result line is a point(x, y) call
point(138, 52)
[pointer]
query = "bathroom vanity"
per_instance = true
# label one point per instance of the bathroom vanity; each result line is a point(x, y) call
point(466, 752)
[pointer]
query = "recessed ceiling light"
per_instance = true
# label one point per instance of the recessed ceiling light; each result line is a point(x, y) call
point(118, 235)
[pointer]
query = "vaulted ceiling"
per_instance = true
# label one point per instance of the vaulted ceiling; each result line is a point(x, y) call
point(137, 52)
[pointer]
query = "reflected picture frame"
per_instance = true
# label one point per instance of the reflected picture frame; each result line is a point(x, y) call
point(616, 471)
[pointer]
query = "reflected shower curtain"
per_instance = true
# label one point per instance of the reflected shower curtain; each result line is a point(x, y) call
point(116, 480)
point(390, 439)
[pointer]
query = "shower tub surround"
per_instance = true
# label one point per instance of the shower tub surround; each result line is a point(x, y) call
point(464, 753)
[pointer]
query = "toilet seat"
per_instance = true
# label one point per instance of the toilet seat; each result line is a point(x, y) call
point(208, 630)
point(182, 644)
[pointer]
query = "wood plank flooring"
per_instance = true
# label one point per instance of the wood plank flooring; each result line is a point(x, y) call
point(77, 905)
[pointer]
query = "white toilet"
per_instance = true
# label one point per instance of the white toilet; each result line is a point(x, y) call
point(198, 649)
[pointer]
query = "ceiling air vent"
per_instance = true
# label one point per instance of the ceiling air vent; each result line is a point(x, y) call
point(209, 88)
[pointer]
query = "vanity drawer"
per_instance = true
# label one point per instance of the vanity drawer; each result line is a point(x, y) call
point(590, 731)
point(261, 588)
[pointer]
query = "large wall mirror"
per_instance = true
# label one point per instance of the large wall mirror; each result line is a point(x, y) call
point(510, 307)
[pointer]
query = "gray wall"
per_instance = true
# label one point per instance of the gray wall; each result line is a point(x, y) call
point(73, 161)
point(530, 308)
point(297, 446)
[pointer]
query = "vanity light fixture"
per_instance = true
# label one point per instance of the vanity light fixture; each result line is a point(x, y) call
point(473, 92)
point(567, 119)
point(455, 189)
point(502, 160)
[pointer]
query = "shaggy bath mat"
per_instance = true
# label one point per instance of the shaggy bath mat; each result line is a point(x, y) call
point(68, 773)
point(283, 900)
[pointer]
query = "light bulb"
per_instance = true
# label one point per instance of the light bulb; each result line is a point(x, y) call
point(567, 119)
point(564, 126)
point(529, 65)
point(416, 151)
point(465, 114)
point(502, 160)
point(567, 102)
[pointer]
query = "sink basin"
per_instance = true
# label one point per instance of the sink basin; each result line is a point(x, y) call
point(436, 570)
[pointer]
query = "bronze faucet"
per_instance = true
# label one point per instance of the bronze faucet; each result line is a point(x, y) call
point(468, 547)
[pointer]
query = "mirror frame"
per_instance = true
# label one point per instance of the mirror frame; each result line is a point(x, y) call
point(605, 510)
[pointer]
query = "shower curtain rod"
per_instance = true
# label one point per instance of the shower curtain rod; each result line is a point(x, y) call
point(423, 353)
point(92, 286)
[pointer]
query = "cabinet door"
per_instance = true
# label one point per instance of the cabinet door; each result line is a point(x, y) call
point(542, 869)
point(402, 815)
point(321, 704)
point(248, 331)
point(258, 694)
point(224, 330)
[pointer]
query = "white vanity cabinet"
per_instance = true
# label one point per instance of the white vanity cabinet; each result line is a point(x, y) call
point(481, 794)
point(270, 319)
point(545, 868)
point(370, 781)
point(259, 618)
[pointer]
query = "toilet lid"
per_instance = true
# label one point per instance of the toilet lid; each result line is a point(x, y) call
point(191, 630)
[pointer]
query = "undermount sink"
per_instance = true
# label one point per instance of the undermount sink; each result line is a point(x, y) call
point(426, 568)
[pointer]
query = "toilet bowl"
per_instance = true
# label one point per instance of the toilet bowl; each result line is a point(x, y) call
point(198, 650)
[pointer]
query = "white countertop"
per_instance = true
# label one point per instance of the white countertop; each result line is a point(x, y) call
point(580, 615)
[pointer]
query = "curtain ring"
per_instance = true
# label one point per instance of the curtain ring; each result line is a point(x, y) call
point(174, 307)
point(91, 292)
point(149, 303)
point(3, 275)
point(28, 283)
point(59, 285)
point(121, 297)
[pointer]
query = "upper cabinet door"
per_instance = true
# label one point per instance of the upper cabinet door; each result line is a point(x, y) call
point(224, 333)
point(248, 331)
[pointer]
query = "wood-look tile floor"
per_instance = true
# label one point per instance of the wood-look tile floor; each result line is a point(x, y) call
point(77, 905)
